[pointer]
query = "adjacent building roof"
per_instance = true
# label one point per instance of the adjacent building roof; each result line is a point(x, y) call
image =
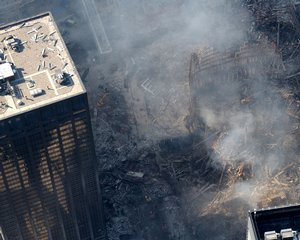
point(35, 66)
point(282, 221)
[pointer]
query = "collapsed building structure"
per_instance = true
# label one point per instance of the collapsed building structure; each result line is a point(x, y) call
point(245, 106)
point(229, 91)
point(210, 68)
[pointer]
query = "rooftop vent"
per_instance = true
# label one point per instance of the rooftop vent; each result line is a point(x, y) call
point(272, 235)
point(61, 77)
point(36, 92)
point(13, 43)
point(20, 103)
point(288, 234)
point(30, 83)
point(285, 234)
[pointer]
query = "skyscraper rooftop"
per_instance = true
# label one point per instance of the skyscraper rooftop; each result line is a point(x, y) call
point(35, 66)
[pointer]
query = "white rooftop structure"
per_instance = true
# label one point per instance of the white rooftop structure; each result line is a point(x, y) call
point(6, 70)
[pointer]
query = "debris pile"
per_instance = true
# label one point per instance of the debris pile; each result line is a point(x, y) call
point(244, 114)
point(245, 105)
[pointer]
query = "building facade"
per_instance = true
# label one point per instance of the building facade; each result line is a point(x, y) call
point(49, 188)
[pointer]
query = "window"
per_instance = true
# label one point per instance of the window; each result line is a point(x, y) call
point(48, 112)
point(2, 128)
point(78, 103)
point(62, 108)
point(15, 124)
point(31, 119)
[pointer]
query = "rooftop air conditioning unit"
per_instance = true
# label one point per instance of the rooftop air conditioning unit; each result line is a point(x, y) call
point(288, 234)
point(271, 235)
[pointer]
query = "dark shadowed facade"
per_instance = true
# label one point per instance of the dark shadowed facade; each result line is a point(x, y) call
point(49, 187)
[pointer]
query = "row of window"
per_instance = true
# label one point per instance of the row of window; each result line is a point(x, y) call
point(56, 160)
point(53, 112)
